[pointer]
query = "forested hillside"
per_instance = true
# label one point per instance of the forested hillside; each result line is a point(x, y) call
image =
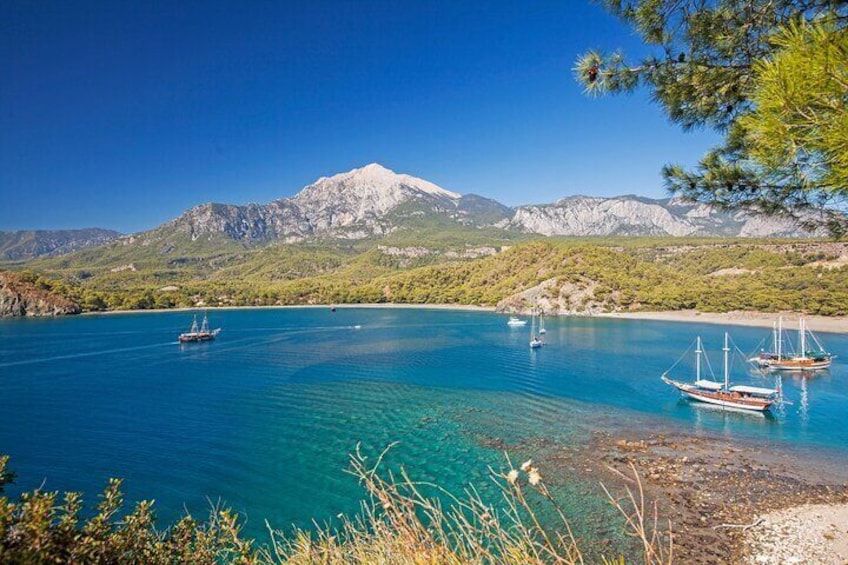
point(559, 276)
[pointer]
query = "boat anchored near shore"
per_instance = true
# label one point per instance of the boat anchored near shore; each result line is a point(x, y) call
point(516, 322)
point(741, 397)
point(536, 339)
point(806, 359)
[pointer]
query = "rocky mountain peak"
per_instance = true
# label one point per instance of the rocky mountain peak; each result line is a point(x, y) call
point(363, 197)
point(374, 200)
point(377, 177)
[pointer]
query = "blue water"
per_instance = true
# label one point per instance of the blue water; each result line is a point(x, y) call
point(264, 417)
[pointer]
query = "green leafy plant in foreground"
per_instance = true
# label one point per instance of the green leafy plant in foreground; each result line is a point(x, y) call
point(42, 529)
point(398, 524)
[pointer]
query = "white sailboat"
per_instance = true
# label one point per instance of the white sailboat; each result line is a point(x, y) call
point(516, 322)
point(535, 341)
point(723, 394)
point(806, 359)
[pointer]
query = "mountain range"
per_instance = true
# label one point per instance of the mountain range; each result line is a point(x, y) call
point(371, 235)
point(23, 245)
point(374, 201)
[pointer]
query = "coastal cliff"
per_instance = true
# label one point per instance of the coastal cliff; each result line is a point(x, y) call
point(21, 297)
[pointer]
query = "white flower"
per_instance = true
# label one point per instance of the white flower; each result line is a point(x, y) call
point(533, 476)
point(512, 476)
point(526, 465)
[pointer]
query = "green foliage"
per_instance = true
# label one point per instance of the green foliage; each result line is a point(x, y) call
point(800, 112)
point(398, 523)
point(771, 75)
point(41, 529)
point(6, 476)
point(604, 273)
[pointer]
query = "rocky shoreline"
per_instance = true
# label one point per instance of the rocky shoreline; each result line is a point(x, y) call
point(20, 297)
point(723, 497)
point(812, 533)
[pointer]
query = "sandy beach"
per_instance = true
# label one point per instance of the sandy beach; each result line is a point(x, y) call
point(457, 307)
point(812, 533)
point(758, 319)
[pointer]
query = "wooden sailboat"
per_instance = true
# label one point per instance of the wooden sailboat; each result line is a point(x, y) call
point(722, 394)
point(202, 333)
point(807, 358)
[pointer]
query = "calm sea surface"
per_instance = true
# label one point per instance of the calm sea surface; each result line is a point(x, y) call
point(264, 417)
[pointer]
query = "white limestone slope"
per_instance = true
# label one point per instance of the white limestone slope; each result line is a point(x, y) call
point(630, 215)
point(374, 200)
point(583, 215)
point(363, 196)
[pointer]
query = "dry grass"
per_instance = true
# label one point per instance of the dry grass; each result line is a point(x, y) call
point(400, 524)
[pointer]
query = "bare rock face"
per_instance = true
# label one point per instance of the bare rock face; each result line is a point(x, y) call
point(373, 201)
point(557, 298)
point(19, 297)
point(351, 205)
point(364, 196)
point(24, 245)
point(632, 215)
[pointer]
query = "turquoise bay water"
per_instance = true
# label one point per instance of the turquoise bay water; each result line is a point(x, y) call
point(264, 418)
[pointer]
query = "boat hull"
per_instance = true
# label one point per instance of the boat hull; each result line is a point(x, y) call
point(198, 336)
point(796, 365)
point(807, 359)
point(719, 399)
point(722, 397)
point(193, 338)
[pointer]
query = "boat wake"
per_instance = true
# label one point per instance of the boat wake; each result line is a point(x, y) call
point(86, 354)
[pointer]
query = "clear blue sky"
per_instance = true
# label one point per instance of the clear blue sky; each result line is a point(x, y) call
point(124, 114)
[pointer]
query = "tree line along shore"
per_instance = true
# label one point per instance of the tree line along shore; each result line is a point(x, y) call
point(557, 276)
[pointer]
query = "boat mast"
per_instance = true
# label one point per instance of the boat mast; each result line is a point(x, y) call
point(817, 342)
point(698, 352)
point(726, 363)
point(774, 338)
point(779, 338)
point(802, 336)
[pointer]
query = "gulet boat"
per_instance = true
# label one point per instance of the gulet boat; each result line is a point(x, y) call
point(742, 397)
point(201, 333)
point(807, 358)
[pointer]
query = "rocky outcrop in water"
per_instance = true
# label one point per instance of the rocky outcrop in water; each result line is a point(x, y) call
point(20, 297)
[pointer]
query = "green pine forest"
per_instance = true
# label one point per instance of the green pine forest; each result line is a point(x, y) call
point(559, 275)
